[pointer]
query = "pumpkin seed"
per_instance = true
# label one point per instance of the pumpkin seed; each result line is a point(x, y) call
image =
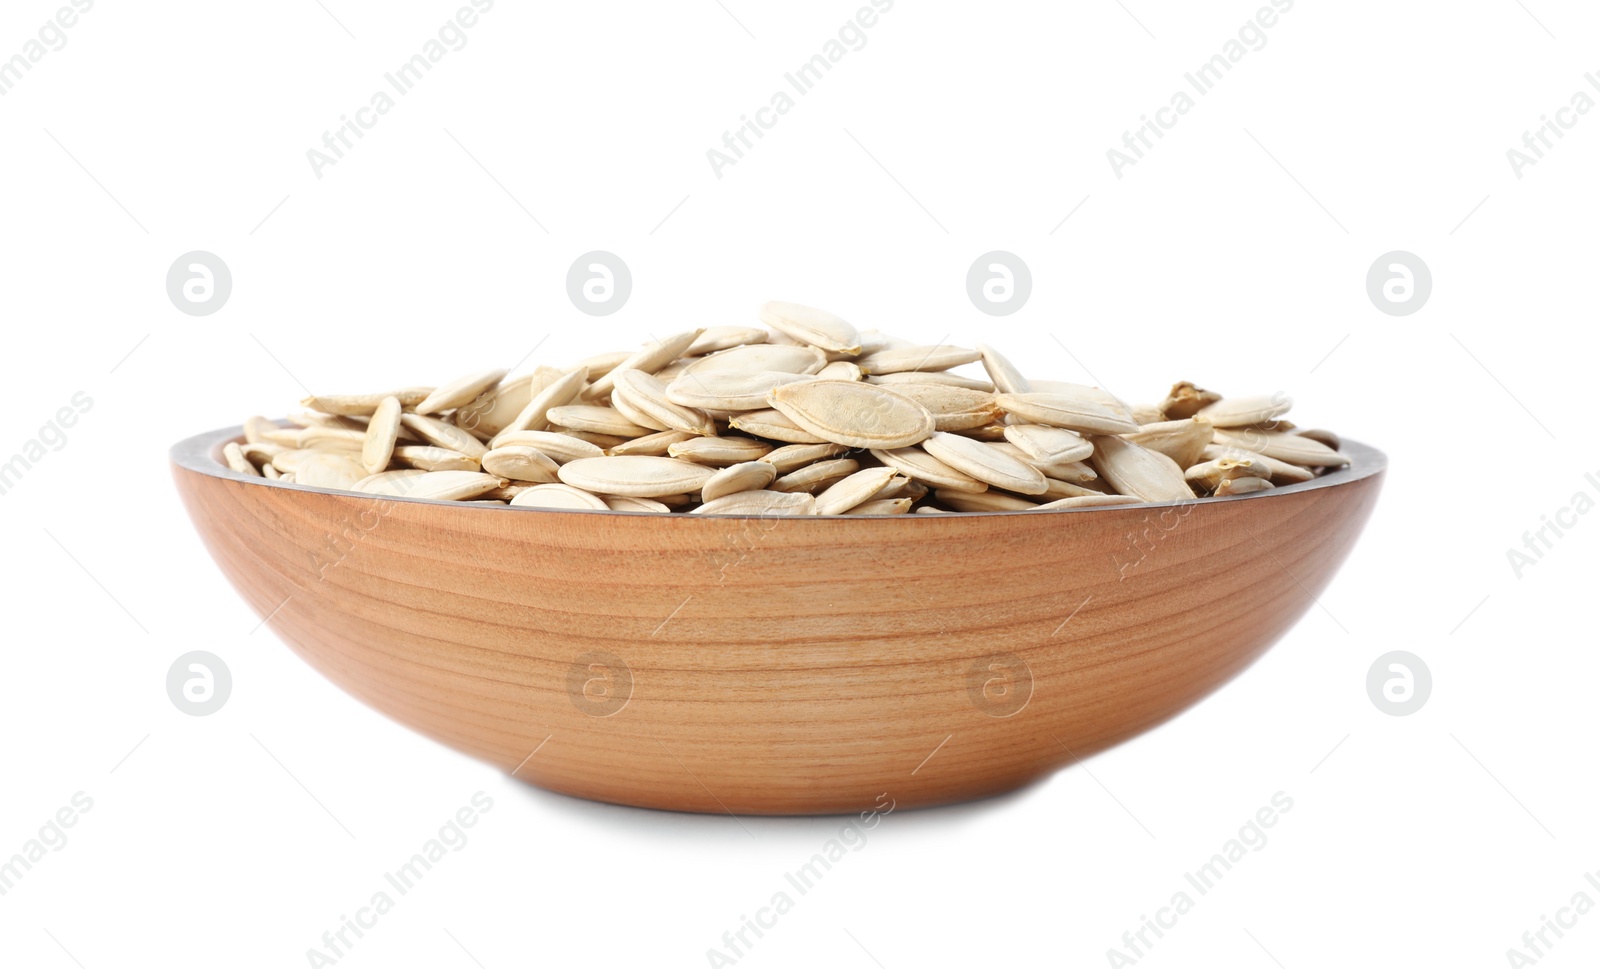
point(1007, 378)
point(918, 464)
point(635, 476)
point(462, 390)
point(430, 458)
point(747, 476)
point(986, 463)
point(759, 503)
point(1081, 412)
point(903, 359)
point(234, 456)
point(1144, 474)
point(652, 357)
point(882, 506)
point(858, 415)
point(1244, 411)
point(560, 496)
point(810, 325)
point(439, 434)
point(521, 464)
point(1052, 445)
point(720, 451)
point(377, 446)
point(853, 489)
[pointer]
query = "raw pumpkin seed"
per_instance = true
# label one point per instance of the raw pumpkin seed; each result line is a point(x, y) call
point(809, 416)
point(635, 476)
point(858, 415)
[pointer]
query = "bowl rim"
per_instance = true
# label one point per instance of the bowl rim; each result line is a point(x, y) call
point(202, 454)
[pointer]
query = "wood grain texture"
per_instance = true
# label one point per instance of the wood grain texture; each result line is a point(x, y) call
point(774, 666)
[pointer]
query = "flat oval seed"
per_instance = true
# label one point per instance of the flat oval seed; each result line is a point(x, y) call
point(652, 357)
point(559, 448)
point(432, 485)
point(1292, 448)
point(931, 377)
point(1056, 488)
point(766, 356)
point(378, 445)
point(233, 454)
point(489, 413)
point(360, 405)
point(440, 434)
point(623, 503)
point(714, 338)
point(814, 476)
point(635, 476)
point(729, 390)
point(1278, 472)
point(841, 370)
point(1007, 378)
point(953, 408)
point(720, 451)
point(430, 458)
point(385, 482)
point(535, 415)
point(774, 425)
point(462, 390)
point(1077, 412)
point(1240, 411)
point(1182, 441)
point(559, 496)
point(1144, 474)
point(596, 420)
point(792, 456)
point(859, 415)
point(882, 506)
point(521, 464)
point(325, 470)
point(759, 503)
point(854, 489)
point(749, 476)
point(810, 325)
point(1242, 486)
point(1050, 445)
point(1089, 501)
point(902, 359)
point(987, 501)
point(256, 429)
point(922, 466)
point(648, 394)
point(653, 445)
point(985, 463)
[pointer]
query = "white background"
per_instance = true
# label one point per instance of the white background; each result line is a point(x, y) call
point(1235, 255)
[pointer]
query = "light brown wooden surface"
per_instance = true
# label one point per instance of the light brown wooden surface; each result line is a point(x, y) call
point(778, 666)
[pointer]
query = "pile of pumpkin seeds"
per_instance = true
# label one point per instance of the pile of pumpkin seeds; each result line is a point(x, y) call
point(807, 416)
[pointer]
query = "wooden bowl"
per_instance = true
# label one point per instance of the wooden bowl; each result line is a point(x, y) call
point(774, 665)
